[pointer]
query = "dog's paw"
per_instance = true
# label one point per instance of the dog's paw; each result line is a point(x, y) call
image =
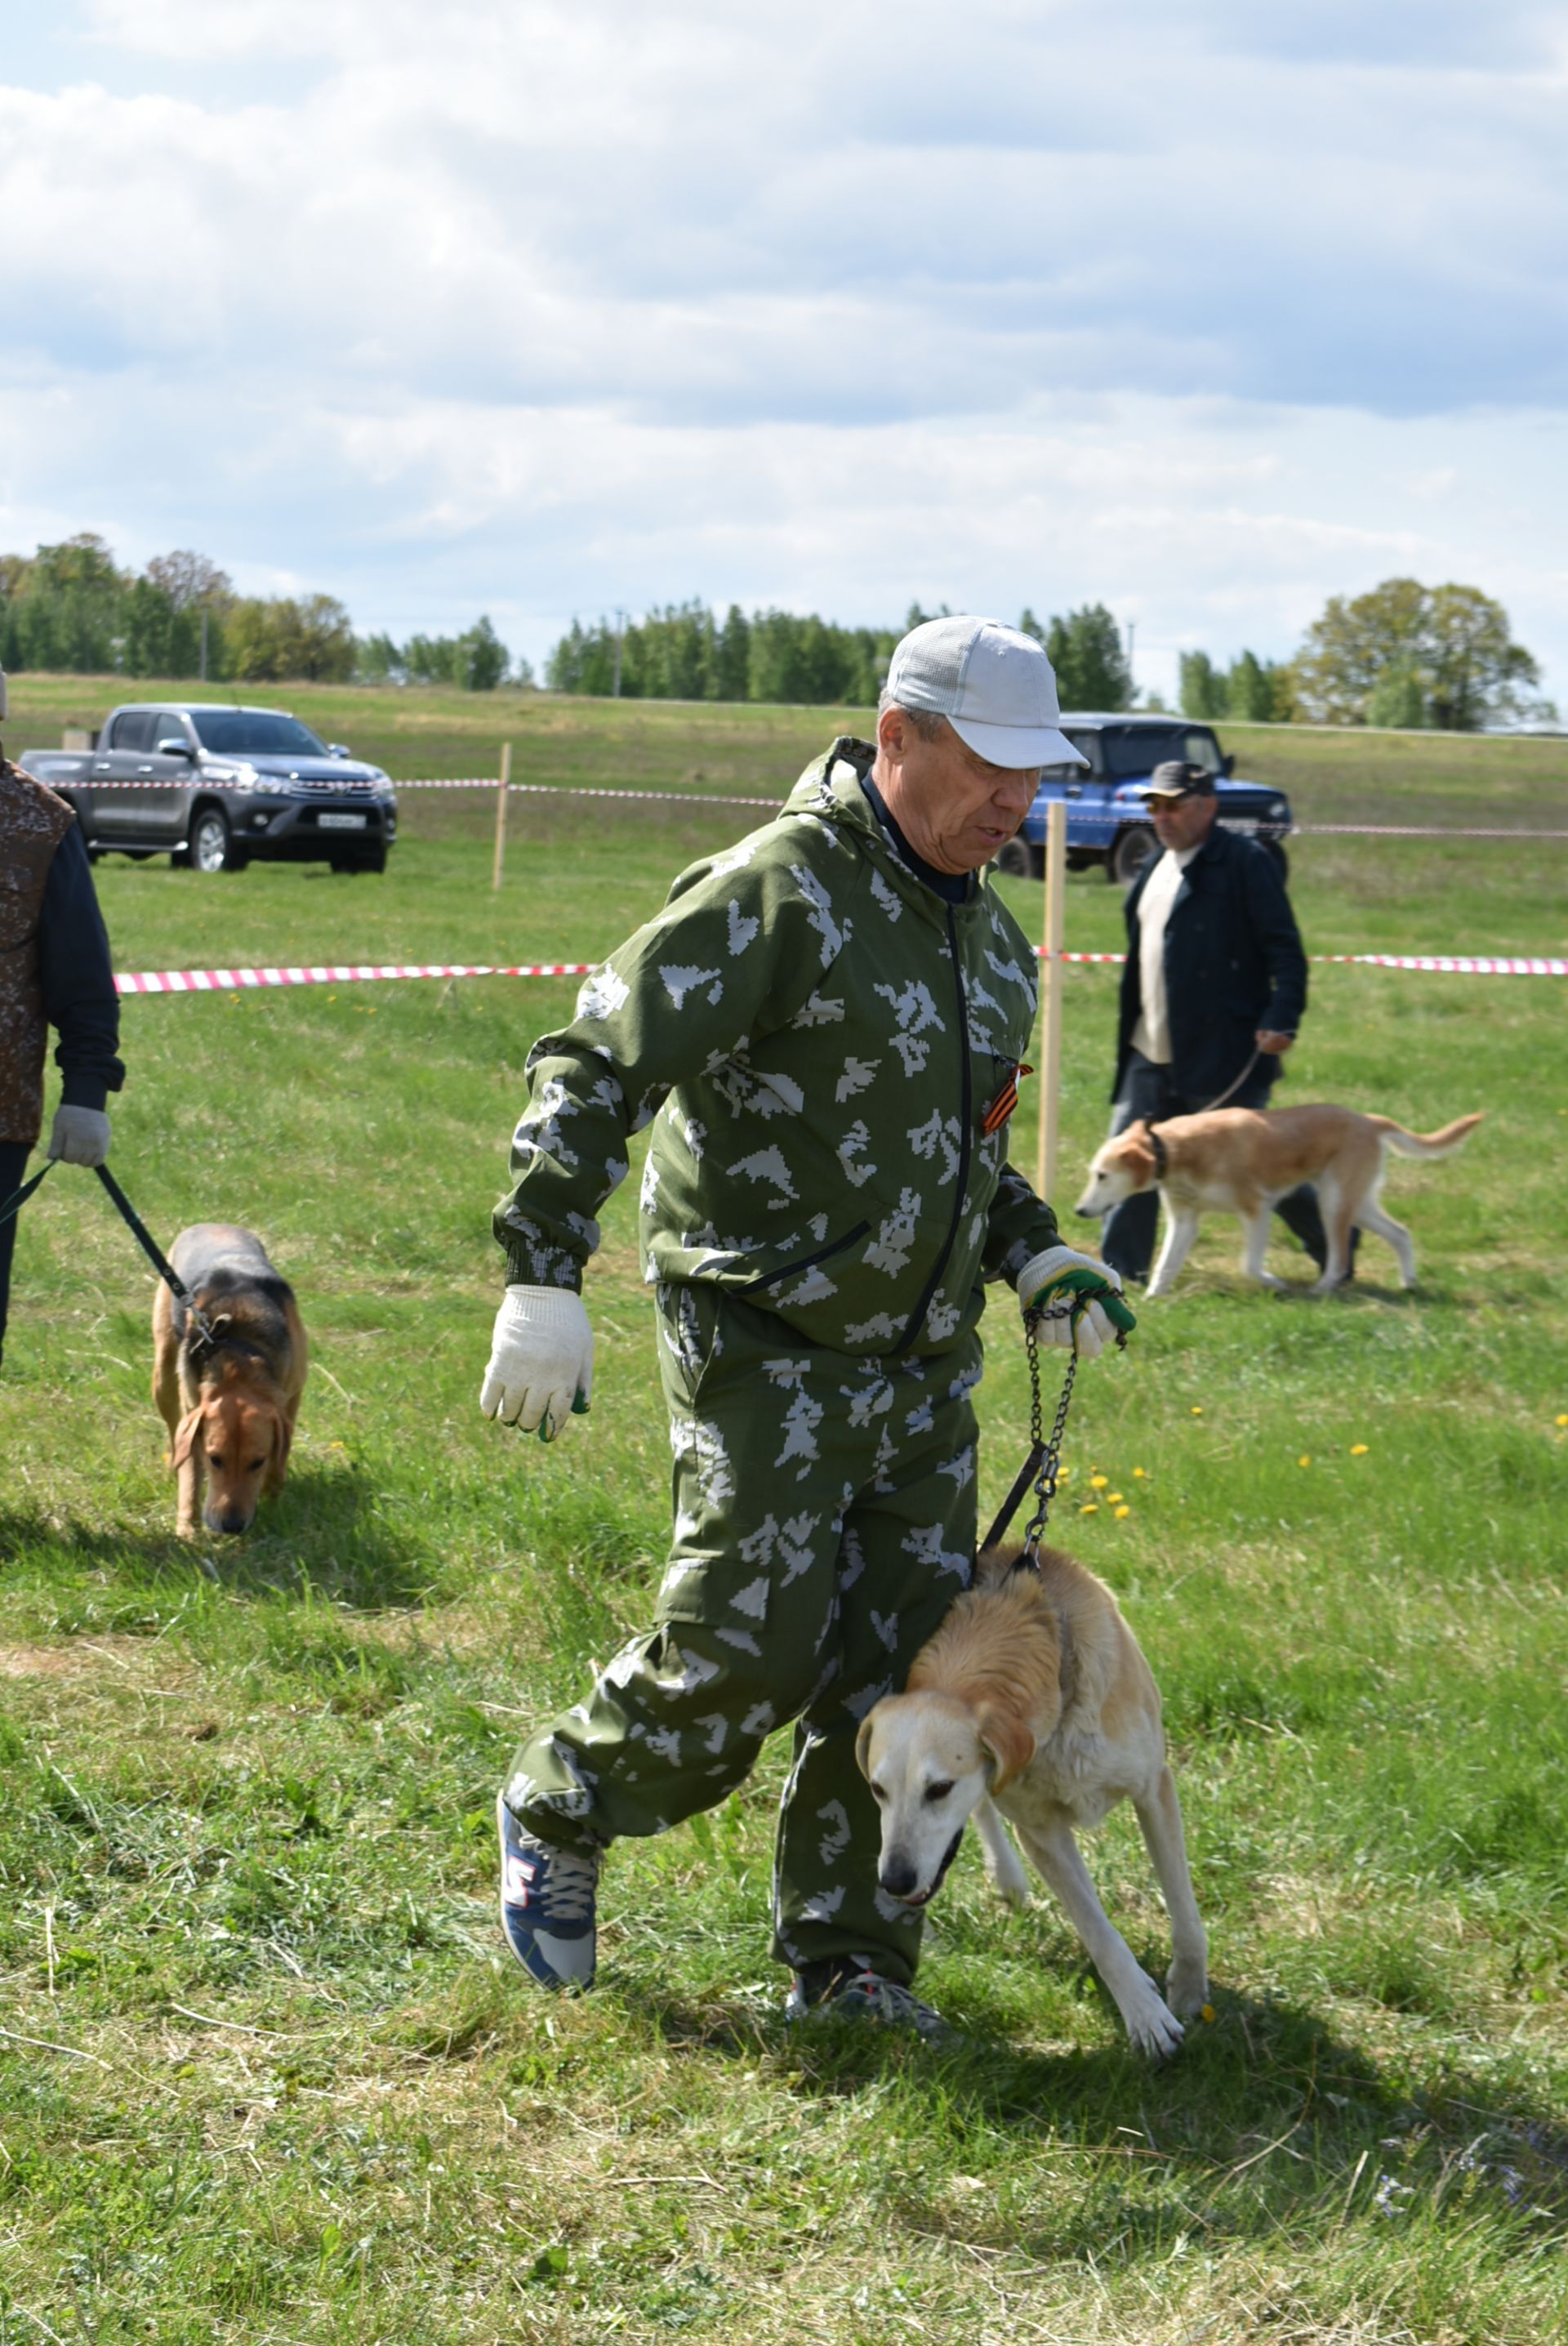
point(1275, 1286)
point(1010, 1883)
point(1152, 2025)
point(1154, 1290)
point(1186, 1990)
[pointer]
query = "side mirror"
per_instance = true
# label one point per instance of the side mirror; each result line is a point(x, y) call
point(338, 749)
point(1227, 764)
point(172, 749)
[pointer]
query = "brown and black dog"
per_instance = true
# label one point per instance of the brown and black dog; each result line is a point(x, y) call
point(229, 1406)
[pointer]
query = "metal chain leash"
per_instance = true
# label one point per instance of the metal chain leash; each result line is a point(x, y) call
point(1047, 1453)
point(1044, 1462)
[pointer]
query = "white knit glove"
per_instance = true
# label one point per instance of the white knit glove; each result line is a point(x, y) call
point(79, 1136)
point(541, 1361)
point(1093, 1289)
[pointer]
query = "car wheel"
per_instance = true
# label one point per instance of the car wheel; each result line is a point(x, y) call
point(1131, 852)
point(211, 846)
point(1018, 860)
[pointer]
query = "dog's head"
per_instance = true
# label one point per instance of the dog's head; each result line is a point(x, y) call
point(241, 1435)
point(928, 1759)
point(1119, 1169)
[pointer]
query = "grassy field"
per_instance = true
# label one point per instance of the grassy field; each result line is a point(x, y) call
point(264, 2074)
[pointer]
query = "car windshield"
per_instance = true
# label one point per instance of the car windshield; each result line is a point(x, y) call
point(1139, 749)
point(255, 733)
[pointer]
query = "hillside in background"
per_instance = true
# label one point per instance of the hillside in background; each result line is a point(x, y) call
point(1358, 775)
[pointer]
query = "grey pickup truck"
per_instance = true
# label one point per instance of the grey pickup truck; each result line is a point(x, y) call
point(215, 786)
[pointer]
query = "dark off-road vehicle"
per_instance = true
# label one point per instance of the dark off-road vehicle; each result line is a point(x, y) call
point(1107, 821)
point(213, 786)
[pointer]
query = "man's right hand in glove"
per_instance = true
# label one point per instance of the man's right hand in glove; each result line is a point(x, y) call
point(541, 1361)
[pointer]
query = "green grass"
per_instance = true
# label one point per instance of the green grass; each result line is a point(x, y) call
point(245, 1849)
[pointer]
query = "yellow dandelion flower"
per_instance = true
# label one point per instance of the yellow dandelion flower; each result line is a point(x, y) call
point(1359, 1449)
point(1098, 1482)
point(1123, 1510)
point(1091, 1508)
point(1562, 1417)
point(1305, 1459)
point(1207, 2014)
point(1113, 1498)
point(1138, 1474)
point(1196, 1410)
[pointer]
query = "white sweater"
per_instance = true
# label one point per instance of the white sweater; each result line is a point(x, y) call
point(1151, 1035)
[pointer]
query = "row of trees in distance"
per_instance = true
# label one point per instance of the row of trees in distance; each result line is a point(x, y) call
point(686, 652)
point(71, 607)
point(1403, 655)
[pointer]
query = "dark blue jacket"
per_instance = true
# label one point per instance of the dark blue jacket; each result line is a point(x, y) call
point(1233, 963)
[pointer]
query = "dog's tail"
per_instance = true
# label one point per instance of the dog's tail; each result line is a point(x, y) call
point(1425, 1144)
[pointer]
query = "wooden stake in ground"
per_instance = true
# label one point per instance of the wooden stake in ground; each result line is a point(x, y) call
point(1051, 975)
point(501, 812)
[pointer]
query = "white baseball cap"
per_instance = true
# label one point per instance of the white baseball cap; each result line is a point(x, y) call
point(994, 686)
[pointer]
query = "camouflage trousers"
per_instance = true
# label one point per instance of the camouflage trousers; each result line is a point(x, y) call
point(824, 1522)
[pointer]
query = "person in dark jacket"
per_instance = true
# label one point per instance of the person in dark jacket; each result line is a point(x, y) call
point(1214, 979)
point(55, 971)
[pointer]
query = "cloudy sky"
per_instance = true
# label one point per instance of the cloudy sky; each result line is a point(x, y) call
point(1207, 309)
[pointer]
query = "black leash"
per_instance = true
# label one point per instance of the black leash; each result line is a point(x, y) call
point(159, 1259)
point(1157, 1145)
point(15, 1204)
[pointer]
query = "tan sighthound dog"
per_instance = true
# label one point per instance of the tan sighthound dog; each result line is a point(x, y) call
point(1034, 1694)
point(1240, 1160)
point(229, 1406)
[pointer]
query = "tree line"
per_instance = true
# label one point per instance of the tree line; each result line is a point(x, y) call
point(71, 607)
point(685, 651)
point(1403, 655)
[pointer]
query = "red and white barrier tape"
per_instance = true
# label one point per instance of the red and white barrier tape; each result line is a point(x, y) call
point(243, 981)
point(1440, 965)
point(247, 981)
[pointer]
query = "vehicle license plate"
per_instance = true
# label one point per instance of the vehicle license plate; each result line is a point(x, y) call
point(341, 821)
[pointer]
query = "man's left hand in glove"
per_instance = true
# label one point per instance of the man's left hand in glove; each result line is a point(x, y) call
point(1098, 1315)
point(80, 1135)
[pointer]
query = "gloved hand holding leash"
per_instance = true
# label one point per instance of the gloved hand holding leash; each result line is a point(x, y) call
point(1098, 1315)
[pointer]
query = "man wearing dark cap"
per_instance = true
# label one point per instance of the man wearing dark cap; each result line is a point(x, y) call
point(55, 971)
point(1214, 984)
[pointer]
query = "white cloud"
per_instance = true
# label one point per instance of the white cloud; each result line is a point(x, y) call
point(1210, 310)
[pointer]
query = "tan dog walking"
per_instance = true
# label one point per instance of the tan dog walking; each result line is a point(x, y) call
point(1241, 1161)
point(1035, 1696)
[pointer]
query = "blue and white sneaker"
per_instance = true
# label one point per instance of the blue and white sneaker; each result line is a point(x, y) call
point(547, 1905)
point(847, 1989)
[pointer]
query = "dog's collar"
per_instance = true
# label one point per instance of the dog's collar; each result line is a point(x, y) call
point(1162, 1155)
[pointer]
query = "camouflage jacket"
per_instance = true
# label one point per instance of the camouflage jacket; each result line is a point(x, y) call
point(816, 1037)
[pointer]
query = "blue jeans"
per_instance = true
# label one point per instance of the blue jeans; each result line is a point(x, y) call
point(1127, 1239)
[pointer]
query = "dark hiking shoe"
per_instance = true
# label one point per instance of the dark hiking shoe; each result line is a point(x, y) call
point(852, 1991)
point(547, 1905)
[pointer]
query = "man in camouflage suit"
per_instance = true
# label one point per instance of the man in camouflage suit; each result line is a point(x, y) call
point(825, 1025)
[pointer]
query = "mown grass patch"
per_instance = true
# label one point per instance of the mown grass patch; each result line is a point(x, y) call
point(266, 2076)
